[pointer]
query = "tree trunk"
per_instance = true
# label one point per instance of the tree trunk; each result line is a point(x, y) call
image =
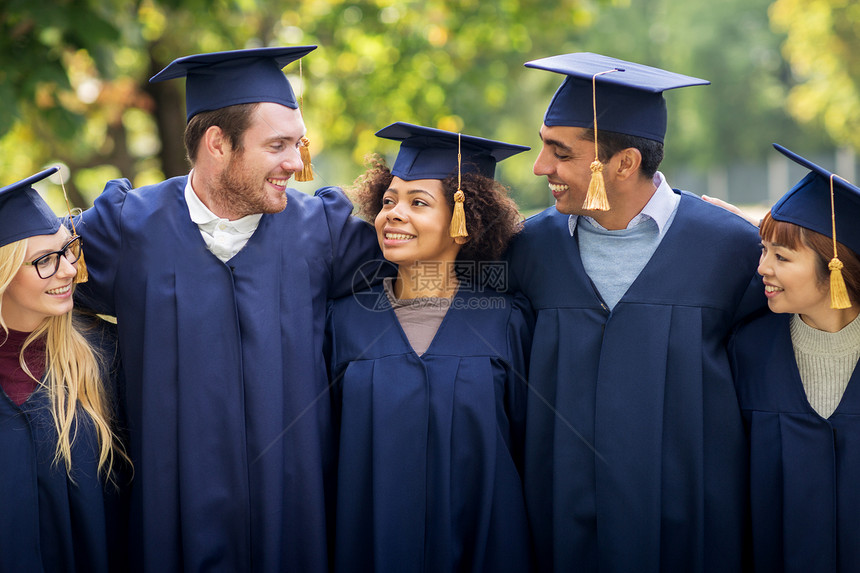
point(170, 119)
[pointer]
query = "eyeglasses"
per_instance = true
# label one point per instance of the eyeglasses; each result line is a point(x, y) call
point(48, 264)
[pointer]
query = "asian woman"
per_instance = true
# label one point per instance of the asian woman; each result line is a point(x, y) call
point(798, 383)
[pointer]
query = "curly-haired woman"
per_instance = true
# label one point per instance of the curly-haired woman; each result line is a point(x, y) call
point(429, 368)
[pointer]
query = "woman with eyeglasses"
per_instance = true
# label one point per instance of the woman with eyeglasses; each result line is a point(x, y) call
point(60, 459)
point(429, 369)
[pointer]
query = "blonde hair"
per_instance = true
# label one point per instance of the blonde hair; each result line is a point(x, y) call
point(73, 378)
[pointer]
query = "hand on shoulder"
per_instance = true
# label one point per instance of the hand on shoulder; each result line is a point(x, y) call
point(731, 208)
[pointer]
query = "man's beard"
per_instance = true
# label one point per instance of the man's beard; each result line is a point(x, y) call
point(238, 192)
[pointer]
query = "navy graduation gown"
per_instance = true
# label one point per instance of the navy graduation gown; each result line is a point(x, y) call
point(226, 388)
point(635, 454)
point(48, 523)
point(805, 469)
point(427, 477)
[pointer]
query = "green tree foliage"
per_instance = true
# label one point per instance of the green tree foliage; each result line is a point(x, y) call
point(729, 43)
point(43, 50)
point(36, 46)
point(823, 47)
point(74, 76)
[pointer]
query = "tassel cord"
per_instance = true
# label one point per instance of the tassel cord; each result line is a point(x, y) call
point(838, 291)
point(82, 275)
point(458, 218)
point(307, 172)
point(595, 198)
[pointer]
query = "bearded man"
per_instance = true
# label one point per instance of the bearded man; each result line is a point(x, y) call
point(219, 281)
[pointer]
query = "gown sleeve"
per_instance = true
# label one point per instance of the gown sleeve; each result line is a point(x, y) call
point(101, 229)
point(335, 383)
point(102, 334)
point(520, 328)
point(355, 253)
point(753, 303)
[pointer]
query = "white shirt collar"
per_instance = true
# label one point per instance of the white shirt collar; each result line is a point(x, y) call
point(203, 217)
point(660, 207)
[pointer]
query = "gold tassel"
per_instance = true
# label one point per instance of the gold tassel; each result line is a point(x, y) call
point(596, 199)
point(838, 293)
point(307, 172)
point(82, 275)
point(458, 220)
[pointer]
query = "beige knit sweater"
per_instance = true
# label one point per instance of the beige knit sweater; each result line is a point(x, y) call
point(826, 361)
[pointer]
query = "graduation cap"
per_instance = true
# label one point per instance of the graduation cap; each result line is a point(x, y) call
point(221, 79)
point(629, 100)
point(620, 96)
point(23, 212)
point(823, 202)
point(428, 153)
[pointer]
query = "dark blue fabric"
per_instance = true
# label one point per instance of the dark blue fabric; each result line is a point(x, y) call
point(227, 393)
point(47, 522)
point(804, 468)
point(430, 153)
point(629, 99)
point(216, 80)
point(23, 212)
point(430, 446)
point(808, 203)
point(635, 454)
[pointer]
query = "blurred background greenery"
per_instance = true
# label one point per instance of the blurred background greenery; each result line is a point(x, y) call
point(73, 79)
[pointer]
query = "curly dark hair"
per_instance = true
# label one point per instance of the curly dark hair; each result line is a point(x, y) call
point(492, 217)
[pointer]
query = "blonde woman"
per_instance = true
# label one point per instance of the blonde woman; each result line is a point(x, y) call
point(58, 452)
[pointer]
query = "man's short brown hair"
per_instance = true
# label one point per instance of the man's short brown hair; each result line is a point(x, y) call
point(233, 120)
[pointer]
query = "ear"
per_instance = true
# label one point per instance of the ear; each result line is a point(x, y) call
point(628, 162)
point(215, 143)
point(461, 240)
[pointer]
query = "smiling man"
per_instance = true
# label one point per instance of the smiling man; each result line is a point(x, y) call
point(219, 281)
point(635, 456)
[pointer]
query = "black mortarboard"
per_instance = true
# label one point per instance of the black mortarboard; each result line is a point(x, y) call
point(826, 203)
point(23, 212)
point(428, 153)
point(808, 203)
point(221, 79)
point(629, 100)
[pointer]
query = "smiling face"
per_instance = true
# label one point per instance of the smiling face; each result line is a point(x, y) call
point(565, 159)
point(29, 299)
point(414, 222)
point(792, 281)
point(255, 178)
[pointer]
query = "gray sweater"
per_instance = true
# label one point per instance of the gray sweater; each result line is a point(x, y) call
point(826, 361)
